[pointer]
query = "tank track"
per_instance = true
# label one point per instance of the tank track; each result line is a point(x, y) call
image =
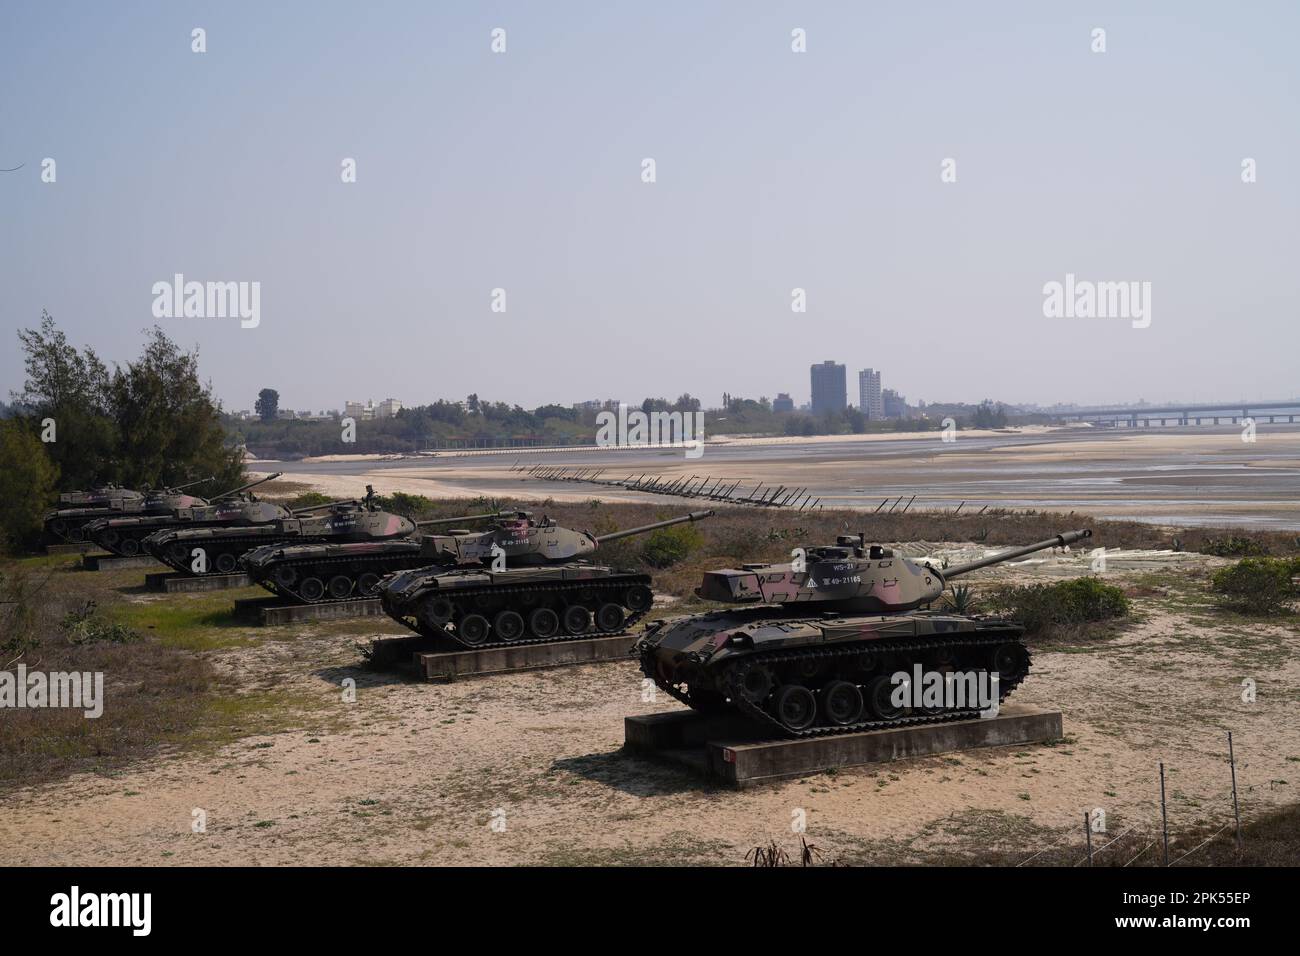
point(758, 714)
point(612, 583)
point(239, 546)
point(376, 560)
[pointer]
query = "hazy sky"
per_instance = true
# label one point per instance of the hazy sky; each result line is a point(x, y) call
point(775, 170)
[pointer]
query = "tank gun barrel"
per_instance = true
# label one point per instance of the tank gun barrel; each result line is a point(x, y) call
point(615, 535)
point(435, 521)
point(251, 484)
point(1060, 541)
point(324, 504)
point(190, 484)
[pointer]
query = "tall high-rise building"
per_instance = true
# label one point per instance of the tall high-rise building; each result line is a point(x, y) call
point(869, 399)
point(829, 388)
point(783, 402)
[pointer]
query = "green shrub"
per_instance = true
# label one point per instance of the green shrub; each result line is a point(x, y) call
point(1233, 546)
point(27, 480)
point(960, 599)
point(399, 502)
point(667, 546)
point(1256, 585)
point(85, 626)
point(1043, 608)
point(308, 499)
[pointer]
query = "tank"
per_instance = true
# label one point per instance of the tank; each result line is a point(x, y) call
point(124, 534)
point(816, 648)
point(78, 508)
point(522, 581)
point(341, 555)
point(216, 549)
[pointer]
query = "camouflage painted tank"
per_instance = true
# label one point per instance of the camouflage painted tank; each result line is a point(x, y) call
point(518, 583)
point(821, 648)
point(78, 508)
point(124, 534)
point(340, 555)
point(237, 525)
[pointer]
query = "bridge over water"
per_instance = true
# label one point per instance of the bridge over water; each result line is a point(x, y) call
point(1217, 413)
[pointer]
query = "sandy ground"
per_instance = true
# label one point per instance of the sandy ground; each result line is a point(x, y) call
point(1169, 476)
point(416, 773)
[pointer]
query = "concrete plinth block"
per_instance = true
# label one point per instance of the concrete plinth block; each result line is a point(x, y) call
point(270, 611)
point(449, 665)
point(731, 750)
point(111, 562)
point(173, 582)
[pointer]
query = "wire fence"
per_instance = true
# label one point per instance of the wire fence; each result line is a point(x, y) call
point(1162, 839)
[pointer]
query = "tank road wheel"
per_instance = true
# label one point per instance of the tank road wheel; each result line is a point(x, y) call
point(576, 619)
point(794, 706)
point(367, 583)
point(437, 611)
point(473, 629)
point(750, 681)
point(867, 661)
point(59, 527)
point(312, 589)
point(544, 622)
point(879, 698)
point(638, 598)
point(177, 552)
point(226, 563)
point(77, 534)
point(841, 703)
point(340, 586)
point(807, 668)
point(1011, 661)
point(109, 538)
point(284, 576)
point(130, 547)
point(509, 625)
point(609, 617)
point(941, 659)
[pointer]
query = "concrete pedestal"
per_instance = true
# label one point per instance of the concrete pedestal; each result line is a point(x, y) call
point(732, 750)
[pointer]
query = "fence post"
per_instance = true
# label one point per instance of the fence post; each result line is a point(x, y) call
point(1087, 834)
point(1236, 811)
point(1164, 816)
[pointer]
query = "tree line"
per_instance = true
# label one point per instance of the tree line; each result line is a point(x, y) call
point(76, 424)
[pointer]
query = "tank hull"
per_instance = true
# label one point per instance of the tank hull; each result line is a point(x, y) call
point(222, 547)
point(802, 675)
point(476, 607)
point(340, 572)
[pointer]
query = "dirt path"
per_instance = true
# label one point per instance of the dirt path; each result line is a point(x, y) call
point(414, 773)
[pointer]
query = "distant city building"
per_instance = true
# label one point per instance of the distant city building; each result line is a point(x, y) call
point(285, 414)
point(783, 402)
point(869, 399)
point(359, 412)
point(829, 388)
point(388, 408)
point(895, 404)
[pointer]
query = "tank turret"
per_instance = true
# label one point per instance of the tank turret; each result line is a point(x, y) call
point(854, 576)
point(80, 508)
point(521, 541)
point(125, 534)
point(835, 640)
point(519, 581)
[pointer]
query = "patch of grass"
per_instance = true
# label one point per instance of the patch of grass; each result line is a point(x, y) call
point(1259, 586)
point(200, 622)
